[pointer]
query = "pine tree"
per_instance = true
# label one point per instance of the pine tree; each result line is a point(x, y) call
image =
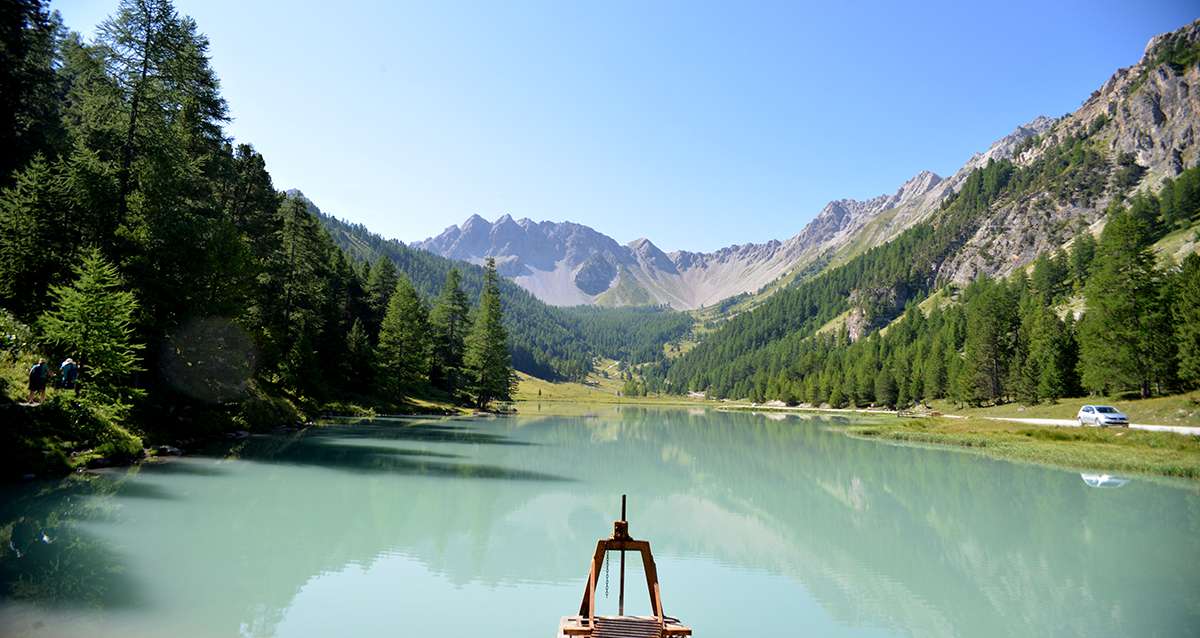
point(159, 62)
point(92, 320)
point(359, 360)
point(1121, 334)
point(1049, 354)
point(403, 350)
point(293, 296)
point(885, 388)
point(381, 283)
point(38, 236)
point(935, 372)
point(1049, 275)
point(1083, 251)
point(487, 362)
point(1187, 319)
point(449, 323)
point(1025, 369)
point(990, 341)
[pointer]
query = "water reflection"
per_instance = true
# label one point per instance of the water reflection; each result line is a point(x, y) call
point(1103, 480)
point(782, 520)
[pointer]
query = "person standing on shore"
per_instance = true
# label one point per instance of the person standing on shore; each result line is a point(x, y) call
point(68, 374)
point(37, 381)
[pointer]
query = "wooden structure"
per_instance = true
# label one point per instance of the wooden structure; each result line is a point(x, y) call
point(588, 624)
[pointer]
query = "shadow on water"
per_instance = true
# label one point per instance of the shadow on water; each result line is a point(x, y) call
point(47, 559)
point(324, 451)
point(50, 558)
point(420, 432)
point(141, 489)
point(170, 467)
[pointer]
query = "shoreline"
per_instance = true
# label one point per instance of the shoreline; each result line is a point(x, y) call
point(1108, 450)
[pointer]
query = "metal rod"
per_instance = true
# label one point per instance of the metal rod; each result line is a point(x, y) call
point(621, 596)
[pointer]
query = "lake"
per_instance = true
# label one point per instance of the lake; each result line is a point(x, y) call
point(760, 525)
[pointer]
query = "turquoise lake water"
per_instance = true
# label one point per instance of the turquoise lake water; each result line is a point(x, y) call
point(760, 525)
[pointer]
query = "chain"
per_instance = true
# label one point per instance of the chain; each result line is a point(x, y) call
point(606, 574)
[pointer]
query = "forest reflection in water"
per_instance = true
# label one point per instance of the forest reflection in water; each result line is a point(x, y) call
point(392, 525)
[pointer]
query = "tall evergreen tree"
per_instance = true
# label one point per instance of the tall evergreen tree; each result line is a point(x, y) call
point(38, 236)
point(403, 350)
point(1121, 334)
point(1083, 251)
point(1049, 354)
point(487, 363)
point(359, 360)
point(1187, 319)
point(991, 338)
point(29, 106)
point(380, 285)
point(158, 60)
point(449, 323)
point(296, 290)
point(885, 388)
point(1050, 273)
point(92, 321)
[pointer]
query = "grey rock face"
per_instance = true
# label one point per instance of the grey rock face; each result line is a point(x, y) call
point(1149, 110)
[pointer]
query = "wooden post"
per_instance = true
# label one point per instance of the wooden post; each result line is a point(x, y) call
point(621, 597)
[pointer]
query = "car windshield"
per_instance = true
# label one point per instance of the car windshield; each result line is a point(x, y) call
point(1106, 410)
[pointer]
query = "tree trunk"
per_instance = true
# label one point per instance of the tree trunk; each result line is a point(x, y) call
point(127, 152)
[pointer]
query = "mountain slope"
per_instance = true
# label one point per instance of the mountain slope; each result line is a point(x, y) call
point(547, 342)
point(1030, 197)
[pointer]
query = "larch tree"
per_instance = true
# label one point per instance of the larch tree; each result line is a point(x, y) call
point(487, 362)
point(1083, 251)
point(359, 362)
point(1121, 333)
point(403, 350)
point(37, 236)
point(991, 339)
point(1187, 319)
point(92, 321)
point(449, 323)
point(381, 283)
point(159, 62)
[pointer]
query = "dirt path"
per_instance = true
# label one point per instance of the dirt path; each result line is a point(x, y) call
point(1071, 423)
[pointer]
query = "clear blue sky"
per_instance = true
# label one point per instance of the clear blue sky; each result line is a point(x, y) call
point(695, 125)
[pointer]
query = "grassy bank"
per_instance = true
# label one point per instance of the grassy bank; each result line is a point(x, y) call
point(1109, 449)
point(597, 388)
point(68, 431)
point(1178, 409)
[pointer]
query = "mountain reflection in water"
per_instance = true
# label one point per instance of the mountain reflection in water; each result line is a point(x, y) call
point(392, 526)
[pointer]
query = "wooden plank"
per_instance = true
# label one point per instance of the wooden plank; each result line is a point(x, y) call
point(575, 626)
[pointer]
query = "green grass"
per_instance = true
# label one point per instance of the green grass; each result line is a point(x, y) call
point(1109, 449)
point(595, 389)
point(1178, 409)
point(1177, 244)
point(627, 292)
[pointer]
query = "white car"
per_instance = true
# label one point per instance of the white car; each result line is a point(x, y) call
point(1102, 416)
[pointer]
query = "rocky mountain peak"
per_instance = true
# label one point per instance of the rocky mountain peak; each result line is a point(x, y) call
point(1003, 148)
point(917, 185)
point(647, 253)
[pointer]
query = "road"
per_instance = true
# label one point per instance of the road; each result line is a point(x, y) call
point(1178, 429)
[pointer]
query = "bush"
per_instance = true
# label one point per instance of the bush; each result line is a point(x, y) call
point(15, 337)
point(39, 440)
point(120, 444)
point(262, 412)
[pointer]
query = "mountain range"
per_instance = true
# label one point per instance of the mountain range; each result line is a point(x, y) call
point(1145, 117)
point(565, 264)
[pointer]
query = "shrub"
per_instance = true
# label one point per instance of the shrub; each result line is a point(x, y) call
point(262, 412)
